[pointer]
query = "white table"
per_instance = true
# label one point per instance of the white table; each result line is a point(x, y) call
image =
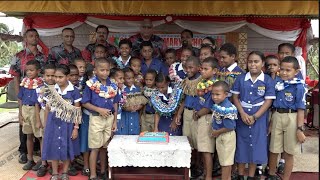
point(127, 158)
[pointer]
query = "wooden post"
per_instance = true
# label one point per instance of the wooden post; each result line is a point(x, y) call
point(240, 41)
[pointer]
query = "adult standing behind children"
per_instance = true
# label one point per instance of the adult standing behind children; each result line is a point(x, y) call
point(102, 33)
point(186, 41)
point(18, 70)
point(146, 34)
point(65, 53)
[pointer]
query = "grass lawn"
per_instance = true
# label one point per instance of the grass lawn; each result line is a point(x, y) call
point(3, 100)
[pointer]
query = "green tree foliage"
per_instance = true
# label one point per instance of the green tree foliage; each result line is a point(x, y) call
point(313, 62)
point(7, 48)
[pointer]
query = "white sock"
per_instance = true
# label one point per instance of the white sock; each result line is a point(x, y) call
point(282, 161)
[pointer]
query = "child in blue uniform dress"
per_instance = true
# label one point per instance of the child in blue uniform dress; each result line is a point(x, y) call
point(252, 95)
point(73, 77)
point(84, 126)
point(165, 122)
point(60, 136)
point(287, 122)
point(117, 75)
point(130, 115)
point(49, 80)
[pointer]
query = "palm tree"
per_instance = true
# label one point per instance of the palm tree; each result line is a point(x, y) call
point(7, 48)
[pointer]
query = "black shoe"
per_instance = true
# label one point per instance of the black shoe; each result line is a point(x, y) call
point(281, 168)
point(95, 178)
point(104, 176)
point(240, 177)
point(216, 173)
point(23, 158)
point(195, 172)
point(72, 171)
point(50, 170)
point(273, 177)
point(216, 166)
point(258, 173)
point(250, 178)
point(42, 171)
point(85, 172)
point(234, 176)
point(266, 171)
point(37, 166)
point(29, 165)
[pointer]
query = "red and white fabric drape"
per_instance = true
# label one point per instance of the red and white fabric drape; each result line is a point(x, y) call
point(279, 28)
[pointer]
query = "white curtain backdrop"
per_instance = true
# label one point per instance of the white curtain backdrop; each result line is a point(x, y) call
point(279, 35)
point(56, 31)
point(210, 27)
point(198, 26)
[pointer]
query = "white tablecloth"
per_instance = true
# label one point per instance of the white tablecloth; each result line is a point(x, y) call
point(125, 151)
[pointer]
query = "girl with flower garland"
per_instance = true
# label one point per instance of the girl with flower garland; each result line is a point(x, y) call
point(62, 114)
point(117, 75)
point(178, 70)
point(165, 102)
point(253, 93)
point(147, 115)
point(134, 102)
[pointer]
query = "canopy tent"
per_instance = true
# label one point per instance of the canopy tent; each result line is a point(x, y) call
point(280, 28)
point(308, 8)
point(282, 20)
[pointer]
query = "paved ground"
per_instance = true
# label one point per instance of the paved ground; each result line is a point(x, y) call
point(10, 169)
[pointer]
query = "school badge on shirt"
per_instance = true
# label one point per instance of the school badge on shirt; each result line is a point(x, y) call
point(261, 90)
point(288, 96)
point(202, 100)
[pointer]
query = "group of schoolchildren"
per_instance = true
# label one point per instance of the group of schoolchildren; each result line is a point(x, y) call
point(213, 102)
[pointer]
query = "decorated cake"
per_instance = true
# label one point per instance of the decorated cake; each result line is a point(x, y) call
point(153, 137)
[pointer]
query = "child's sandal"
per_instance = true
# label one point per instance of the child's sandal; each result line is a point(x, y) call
point(54, 177)
point(64, 176)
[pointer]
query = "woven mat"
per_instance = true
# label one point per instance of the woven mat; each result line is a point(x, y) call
point(308, 160)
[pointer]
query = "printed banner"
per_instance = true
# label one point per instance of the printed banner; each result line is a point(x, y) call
point(171, 40)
